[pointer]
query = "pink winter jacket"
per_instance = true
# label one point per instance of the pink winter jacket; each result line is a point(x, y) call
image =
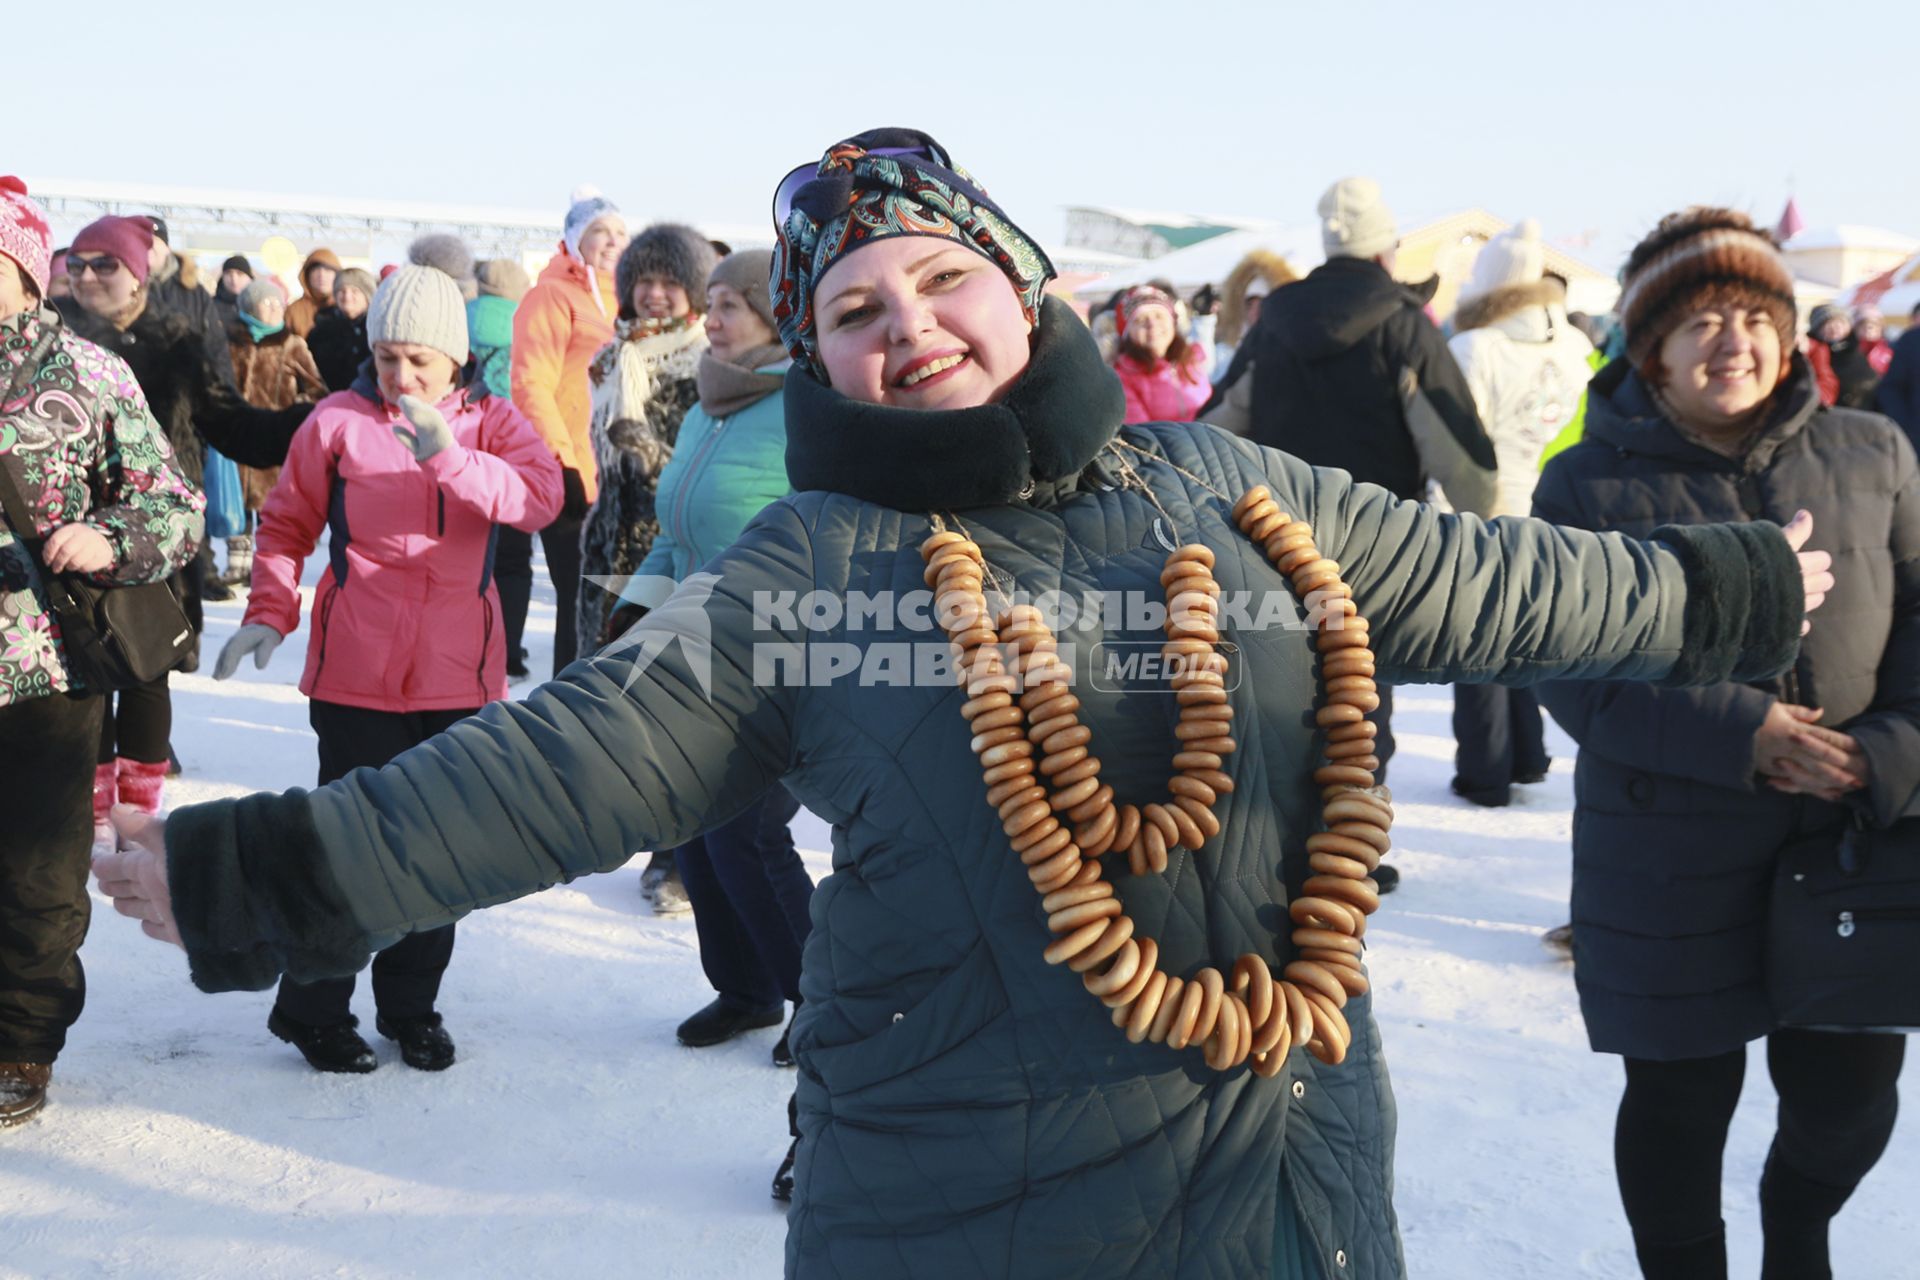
point(407, 618)
point(1164, 393)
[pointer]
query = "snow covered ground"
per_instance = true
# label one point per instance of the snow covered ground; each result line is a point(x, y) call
point(575, 1137)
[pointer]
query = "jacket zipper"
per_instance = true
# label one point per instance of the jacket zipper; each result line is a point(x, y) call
point(326, 622)
point(685, 495)
point(441, 496)
point(1847, 922)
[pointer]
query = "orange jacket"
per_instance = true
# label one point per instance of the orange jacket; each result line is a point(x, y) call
point(302, 310)
point(560, 326)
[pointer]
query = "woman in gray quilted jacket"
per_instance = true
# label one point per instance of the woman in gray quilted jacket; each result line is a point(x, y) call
point(966, 1108)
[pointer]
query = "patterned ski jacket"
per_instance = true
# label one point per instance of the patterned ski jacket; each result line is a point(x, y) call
point(80, 444)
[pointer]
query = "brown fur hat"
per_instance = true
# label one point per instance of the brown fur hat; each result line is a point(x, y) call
point(1696, 258)
point(1260, 264)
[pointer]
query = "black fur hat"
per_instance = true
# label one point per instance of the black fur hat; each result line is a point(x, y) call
point(668, 249)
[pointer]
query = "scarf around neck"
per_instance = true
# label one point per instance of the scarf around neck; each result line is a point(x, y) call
point(727, 387)
point(643, 352)
point(1050, 425)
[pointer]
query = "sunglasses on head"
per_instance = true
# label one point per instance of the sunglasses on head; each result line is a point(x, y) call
point(103, 266)
point(790, 185)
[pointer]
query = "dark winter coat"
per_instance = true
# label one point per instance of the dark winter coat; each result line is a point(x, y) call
point(1898, 395)
point(1673, 843)
point(172, 361)
point(339, 346)
point(967, 1110)
point(1325, 357)
point(175, 288)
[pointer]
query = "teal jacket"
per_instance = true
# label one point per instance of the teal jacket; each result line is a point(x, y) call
point(490, 337)
point(967, 1110)
point(723, 471)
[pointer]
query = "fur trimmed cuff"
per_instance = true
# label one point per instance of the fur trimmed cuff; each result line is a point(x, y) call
point(1744, 602)
point(254, 896)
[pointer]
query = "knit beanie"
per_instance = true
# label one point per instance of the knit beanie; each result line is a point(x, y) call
point(1515, 256)
point(1354, 221)
point(357, 278)
point(1826, 311)
point(1130, 303)
point(667, 249)
point(1696, 258)
point(588, 207)
point(448, 253)
point(420, 305)
point(745, 272)
point(875, 186)
point(127, 239)
point(238, 262)
point(24, 234)
point(502, 278)
point(258, 292)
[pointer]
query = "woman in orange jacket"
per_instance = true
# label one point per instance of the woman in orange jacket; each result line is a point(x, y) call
point(564, 319)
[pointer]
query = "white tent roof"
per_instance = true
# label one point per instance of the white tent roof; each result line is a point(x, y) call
point(1848, 235)
point(1209, 261)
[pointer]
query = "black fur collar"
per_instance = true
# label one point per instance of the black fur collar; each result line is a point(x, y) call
point(1051, 424)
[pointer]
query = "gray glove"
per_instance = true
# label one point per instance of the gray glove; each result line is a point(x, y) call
point(256, 638)
point(430, 433)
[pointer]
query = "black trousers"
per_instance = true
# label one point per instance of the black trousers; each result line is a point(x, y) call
point(46, 766)
point(1499, 737)
point(1838, 1100)
point(513, 575)
point(1383, 738)
point(136, 723)
point(561, 541)
point(750, 894)
point(406, 976)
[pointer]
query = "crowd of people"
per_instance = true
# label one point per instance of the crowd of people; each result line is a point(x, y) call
point(1628, 520)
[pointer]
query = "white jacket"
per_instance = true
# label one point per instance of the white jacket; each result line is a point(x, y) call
point(1527, 367)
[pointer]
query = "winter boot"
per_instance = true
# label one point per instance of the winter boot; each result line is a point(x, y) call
point(659, 867)
point(670, 896)
point(1559, 939)
point(783, 1051)
point(424, 1043)
point(23, 1091)
point(723, 1019)
point(239, 561)
point(141, 784)
point(105, 791)
point(337, 1047)
point(783, 1176)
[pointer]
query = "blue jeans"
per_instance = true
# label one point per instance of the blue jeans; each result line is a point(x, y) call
point(750, 892)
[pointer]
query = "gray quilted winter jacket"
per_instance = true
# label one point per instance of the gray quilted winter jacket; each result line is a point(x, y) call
point(968, 1111)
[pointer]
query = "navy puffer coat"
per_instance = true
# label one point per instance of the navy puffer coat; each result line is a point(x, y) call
point(966, 1110)
point(1674, 844)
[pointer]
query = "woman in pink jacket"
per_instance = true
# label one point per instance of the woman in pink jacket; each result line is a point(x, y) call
point(1165, 376)
point(412, 474)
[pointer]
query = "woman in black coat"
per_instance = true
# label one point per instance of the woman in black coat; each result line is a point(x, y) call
point(1685, 798)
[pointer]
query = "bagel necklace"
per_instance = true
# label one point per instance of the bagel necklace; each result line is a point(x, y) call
point(1060, 819)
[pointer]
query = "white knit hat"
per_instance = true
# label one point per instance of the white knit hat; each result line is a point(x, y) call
point(1515, 256)
point(1354, 221)
point(420, 305)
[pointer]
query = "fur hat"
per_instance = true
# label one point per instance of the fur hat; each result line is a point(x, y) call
point(1261, 269)
point(24, 234)
point(1354, 221)
point(357, 278)
point(747, 273)
point(420, 305)
point(587, 207)
point(1696, 258)
point(502, 278)
point(1515, 256)
point(127, 239)
point(668, 249)
point(446, 253)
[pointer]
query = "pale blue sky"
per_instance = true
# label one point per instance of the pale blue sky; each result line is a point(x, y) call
point(1592, 117)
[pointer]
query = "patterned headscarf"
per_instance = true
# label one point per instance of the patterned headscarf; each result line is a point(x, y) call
point(876, 185)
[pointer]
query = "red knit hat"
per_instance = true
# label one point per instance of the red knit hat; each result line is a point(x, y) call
point(24, 234)
point(1697, 258)
point(128, 239)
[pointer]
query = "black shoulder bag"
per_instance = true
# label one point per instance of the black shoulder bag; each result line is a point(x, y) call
point(1843, 933)
point(113, 638)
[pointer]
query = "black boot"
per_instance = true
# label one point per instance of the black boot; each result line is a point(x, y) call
point(783, 1176)
point(424, 1043)
point(783, 1051)
point(1794, 1214)
point(723, 1020)
point(337, 1047)
point(1485, 797)
point(23, 1091)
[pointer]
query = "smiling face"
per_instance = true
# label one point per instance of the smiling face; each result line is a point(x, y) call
point(658, 297)
point(1151, 329)
point(1722, 363)
point(733, 327)
point(270, 311)
point(352, 302)
point(102, 284)
point(916, 322)
point(601, 243)
point(409, 369)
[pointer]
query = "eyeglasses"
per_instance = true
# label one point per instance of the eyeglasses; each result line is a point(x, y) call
point(104, 267)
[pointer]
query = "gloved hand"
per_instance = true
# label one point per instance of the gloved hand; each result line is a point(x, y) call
point(430, 433)
point(574, 504)
point(256, 638)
